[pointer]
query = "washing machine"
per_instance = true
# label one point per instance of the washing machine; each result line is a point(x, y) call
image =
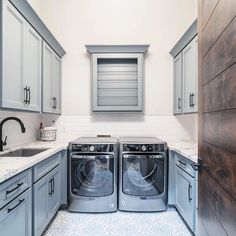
point(93, 175)
point(142, 174)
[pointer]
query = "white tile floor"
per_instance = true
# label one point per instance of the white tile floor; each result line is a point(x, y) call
point(118, 224)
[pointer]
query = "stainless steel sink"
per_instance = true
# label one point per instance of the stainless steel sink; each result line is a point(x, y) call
point(24, 152)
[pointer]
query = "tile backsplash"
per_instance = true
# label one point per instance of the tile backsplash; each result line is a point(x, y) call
point(12, 129)
point(169, 128)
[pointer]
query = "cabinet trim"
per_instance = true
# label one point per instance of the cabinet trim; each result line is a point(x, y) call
point(31, 16)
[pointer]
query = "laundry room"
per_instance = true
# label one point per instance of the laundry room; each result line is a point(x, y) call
point(117, 117)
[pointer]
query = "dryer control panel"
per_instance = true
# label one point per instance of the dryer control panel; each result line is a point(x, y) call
point(88, 148)
point(143, 147)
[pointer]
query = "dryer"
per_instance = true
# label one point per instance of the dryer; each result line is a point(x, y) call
point(93, 175)
point(142, 174)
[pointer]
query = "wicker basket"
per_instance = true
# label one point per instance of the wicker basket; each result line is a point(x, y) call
point(48, 134)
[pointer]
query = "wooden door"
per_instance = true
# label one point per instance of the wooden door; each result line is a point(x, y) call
point(217, 117)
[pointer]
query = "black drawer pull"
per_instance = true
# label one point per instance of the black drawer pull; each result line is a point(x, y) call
point(189, 191)
point(18, 204)
point(182, 163)
point(14, 189)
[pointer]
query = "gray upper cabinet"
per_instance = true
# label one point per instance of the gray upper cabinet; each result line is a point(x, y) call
point(117, 77)
point(13, 31)
point(190, 77)
point(21, 60)
point(32, 69)
point(51, 81)
point(185, 72)
point(178, 84)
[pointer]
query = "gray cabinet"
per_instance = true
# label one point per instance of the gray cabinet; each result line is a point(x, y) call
point(118, 77)
point(186, 79)
point(21, 61)
point(190, 67)
point(13, 30)
point(185, 54)
point(183, 188)
point(51, 81)
point(185, 196)
point(46, 196)
point(16, 217)
point(178, 84)
point(32, 69)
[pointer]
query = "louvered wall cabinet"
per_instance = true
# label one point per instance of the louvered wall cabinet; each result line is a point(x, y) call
point(117, 78)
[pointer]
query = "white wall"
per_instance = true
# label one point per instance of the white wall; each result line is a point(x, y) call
point(157, 22)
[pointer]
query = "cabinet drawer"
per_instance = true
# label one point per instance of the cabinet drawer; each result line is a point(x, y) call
point(185, 164)
point(16, 217)
point(15, 186)
point(45, 166)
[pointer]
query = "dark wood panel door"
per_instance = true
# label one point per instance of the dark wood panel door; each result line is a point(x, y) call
point(217, 117)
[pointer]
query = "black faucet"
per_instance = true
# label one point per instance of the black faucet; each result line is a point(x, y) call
point(4, 143)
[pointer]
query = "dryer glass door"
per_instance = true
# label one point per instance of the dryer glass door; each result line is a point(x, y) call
point(143, 175)
point(92, 175)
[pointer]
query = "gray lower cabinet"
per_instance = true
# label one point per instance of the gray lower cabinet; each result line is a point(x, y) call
point(51, 81)
point(21, 61)
point(185, 196)
point(46, 198)
point(16, 217)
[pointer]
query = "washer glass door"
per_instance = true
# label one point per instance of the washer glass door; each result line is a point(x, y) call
point(92, 175)
point(143, 175)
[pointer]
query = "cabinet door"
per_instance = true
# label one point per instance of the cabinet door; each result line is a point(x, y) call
point(189, 77)
point(178, 84)
point(41, 195)
point(16, 217)
point(185, 196)
point(55, 197)
point(12, 61)
point(47, 78)
point(32, 69)
point(56, 84)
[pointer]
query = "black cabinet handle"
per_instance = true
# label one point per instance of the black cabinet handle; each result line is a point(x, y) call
point(25, 94)
point(179, 104)
point(182, 163)
point(29, 97)
point(192, 99)
point(54, 102)
point(14, 189)
point(18, 204)
point(189, 193)
point(50, 187)
point(53, 186)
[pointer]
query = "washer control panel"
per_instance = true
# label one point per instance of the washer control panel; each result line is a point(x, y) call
point(143, 147)
point(89, 148)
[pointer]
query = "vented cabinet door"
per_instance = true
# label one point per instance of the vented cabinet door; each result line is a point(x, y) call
point(117, 82)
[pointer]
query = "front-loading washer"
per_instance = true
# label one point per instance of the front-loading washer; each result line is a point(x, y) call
point(142, 174)
point(93, 175)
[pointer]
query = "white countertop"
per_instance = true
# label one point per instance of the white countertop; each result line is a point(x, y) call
point(186, 149)
point(11, 166)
